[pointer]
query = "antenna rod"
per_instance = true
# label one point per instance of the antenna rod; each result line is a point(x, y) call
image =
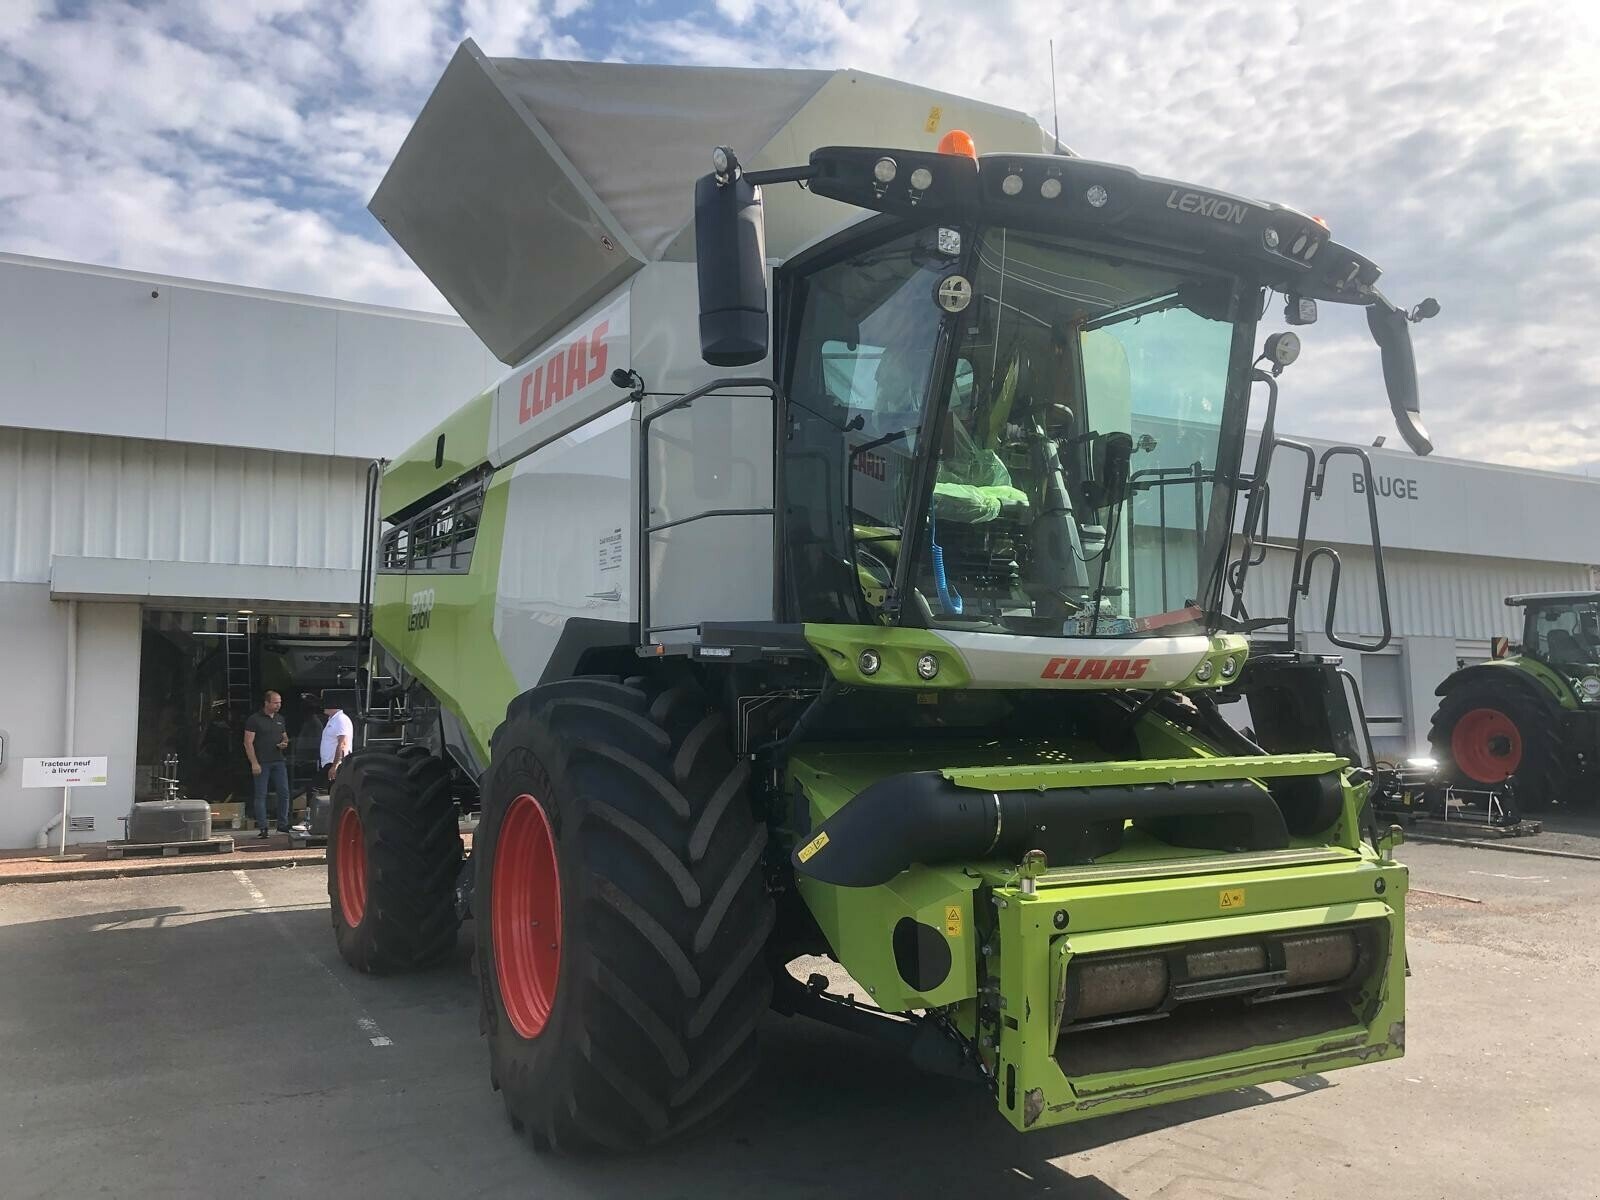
point(1056, 111)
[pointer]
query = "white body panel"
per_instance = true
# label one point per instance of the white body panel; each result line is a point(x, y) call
point(571, 543)
point(999, 660)
point(569, 549)
point(715, 454)
point(564, 383)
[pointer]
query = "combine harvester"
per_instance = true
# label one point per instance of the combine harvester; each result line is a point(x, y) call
point(841, 571)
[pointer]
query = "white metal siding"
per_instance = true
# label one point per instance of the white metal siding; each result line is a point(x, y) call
point(99, 351)
point(1443, 506)
point(108, 497)
point(1430, 595)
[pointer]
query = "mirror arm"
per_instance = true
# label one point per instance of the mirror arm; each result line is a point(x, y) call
point(1391, 329)
point(782, 175)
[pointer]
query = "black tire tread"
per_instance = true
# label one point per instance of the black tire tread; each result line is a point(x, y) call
point(414, 852)
point(1546, 773)
point(670, 919)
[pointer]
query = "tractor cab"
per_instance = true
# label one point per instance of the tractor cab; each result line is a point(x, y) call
point(1562, 630)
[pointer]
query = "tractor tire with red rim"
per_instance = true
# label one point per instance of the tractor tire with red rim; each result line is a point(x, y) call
point(394, 855)
point(622, 915)
point(1484, 733)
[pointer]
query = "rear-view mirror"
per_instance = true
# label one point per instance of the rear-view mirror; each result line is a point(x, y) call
point(730, 255)
point(1392, 331)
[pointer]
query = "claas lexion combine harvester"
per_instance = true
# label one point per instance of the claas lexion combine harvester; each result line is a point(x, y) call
point(843, 571)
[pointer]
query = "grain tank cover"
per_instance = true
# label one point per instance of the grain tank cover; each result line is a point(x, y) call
point(527, 190)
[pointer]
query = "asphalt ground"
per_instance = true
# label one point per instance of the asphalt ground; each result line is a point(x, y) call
point(197, 1035)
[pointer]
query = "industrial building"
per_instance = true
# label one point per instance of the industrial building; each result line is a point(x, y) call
point(182, 467)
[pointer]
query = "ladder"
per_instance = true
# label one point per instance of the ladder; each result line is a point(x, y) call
point(239, 664)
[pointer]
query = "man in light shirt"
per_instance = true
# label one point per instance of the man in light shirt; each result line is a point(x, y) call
point(337, 736)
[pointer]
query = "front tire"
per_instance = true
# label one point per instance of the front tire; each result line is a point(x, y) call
point(394, 854)
point(1484, 733)
point(622, 915)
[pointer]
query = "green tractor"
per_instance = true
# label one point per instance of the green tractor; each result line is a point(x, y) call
point(1531, 718)
point(839, 575)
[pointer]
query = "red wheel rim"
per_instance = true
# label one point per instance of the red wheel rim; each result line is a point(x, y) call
point(1487, 745)
point(525, 899)
point(352, 871)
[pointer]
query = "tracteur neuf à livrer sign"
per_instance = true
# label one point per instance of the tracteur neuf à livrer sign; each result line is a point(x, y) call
point(840, 571)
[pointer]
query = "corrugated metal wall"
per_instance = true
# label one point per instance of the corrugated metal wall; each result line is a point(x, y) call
point(112, 497)
point(1430, 595)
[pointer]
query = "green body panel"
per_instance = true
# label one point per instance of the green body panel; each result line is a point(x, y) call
point(1173, 770)
point(1147, 893)
point(1549, 679)
point(859, 924)
point(413, 475)
point(454, 651)
point(1034, 955)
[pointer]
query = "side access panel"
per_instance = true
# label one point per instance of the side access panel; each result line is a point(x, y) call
point(716, 453)
point(569, 555)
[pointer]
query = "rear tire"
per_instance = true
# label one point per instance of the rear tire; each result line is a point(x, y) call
point(1483, 733)
point(633, 1019)
point(394, 854)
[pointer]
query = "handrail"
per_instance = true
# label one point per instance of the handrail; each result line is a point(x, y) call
point(1333, 556)
point(1255, 512)
point(369, 547)
point(1159, 479)
point(1258, 514)
point(646, 528)
point(1354, 692)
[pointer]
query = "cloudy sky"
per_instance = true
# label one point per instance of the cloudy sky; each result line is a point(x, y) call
point(1455, 142)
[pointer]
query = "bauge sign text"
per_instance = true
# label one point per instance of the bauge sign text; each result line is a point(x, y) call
point(1385, 485)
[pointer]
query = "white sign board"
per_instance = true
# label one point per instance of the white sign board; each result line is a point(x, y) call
point(63, 772)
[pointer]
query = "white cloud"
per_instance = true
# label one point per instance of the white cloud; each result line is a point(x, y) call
point(1455, 144)
point(737, 11)
point(499, 26)
point(128, 77)
point(17, 17)
point(396, 40)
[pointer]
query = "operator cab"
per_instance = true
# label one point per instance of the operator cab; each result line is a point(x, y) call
point(1045, 417)
point(1562, 629)
point(1014, 402)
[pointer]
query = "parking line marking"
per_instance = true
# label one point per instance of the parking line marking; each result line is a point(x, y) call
point(374, 1035)
point(363, 1022)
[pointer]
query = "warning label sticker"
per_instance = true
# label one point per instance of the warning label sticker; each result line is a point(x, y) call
point(1231, 898)
point(952, 920)
point(809, 850)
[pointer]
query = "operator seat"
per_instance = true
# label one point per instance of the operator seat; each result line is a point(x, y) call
point(1563, 647)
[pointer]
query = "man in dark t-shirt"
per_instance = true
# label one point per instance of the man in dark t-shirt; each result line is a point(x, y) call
point(265, 740)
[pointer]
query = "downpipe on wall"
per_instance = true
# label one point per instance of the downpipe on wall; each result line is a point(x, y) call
point(60, 819)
